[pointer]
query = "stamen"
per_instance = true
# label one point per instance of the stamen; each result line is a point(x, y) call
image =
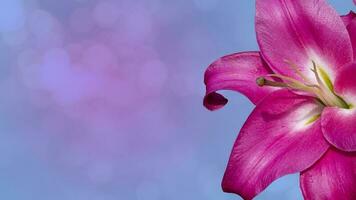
point(261, 81)
point(328, 94)
point(315, 70)
point(286, 78)
point(293, 84)
point(321, 86)
point(323, 93)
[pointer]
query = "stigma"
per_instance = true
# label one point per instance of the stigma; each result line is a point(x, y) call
point(323, 89)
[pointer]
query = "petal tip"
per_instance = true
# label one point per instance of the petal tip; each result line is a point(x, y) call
point(347, 19)
point(228, 187)
point(214, 101)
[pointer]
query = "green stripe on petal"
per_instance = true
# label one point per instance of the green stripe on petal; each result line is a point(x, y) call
point(325, 77)
point(312, 119)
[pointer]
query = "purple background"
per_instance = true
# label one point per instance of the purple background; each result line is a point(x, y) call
point(102, 100)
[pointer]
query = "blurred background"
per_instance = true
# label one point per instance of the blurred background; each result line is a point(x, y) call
point(102, 99)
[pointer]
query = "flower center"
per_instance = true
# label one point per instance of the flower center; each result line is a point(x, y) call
point(323, 90)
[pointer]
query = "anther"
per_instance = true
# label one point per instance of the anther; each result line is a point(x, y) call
point(260, 81)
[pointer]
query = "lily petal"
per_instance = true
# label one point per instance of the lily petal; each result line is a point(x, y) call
point(237, 72)
point(352, 31)
point(338, 125)
point(350, 23)
point(281, 136)
point(332, 177)
point(347, 19)
point(297, 32)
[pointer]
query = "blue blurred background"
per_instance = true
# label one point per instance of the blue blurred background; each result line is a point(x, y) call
point(102, 99)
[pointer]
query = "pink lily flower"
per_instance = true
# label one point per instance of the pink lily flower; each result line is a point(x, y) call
point(303, 83)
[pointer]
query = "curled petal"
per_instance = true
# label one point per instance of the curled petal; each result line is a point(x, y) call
point(281, 136)
point(237, 72)
point(332, 177)
point(297, 32)
point(339, 125)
